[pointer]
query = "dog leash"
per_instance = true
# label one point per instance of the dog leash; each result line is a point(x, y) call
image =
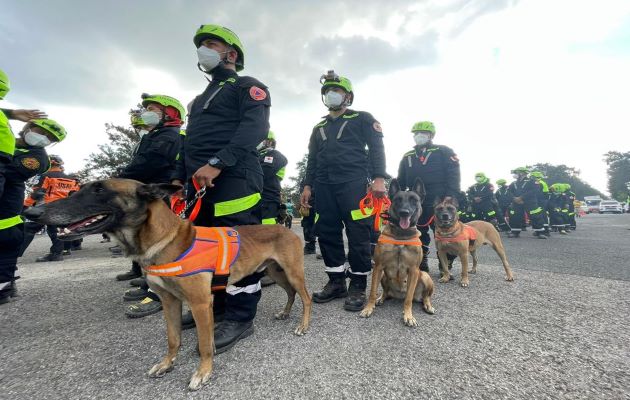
point(428, 223)
point(371, 205)
point(181, 206)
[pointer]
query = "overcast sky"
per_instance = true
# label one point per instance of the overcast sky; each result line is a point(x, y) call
point(506, 82)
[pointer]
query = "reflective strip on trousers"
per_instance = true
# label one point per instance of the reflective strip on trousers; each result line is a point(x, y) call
point(316, 217)
point(234, 290)
point(339, 269)
point(357, 214)
point(269, 221)
point(10, 222)
point(536, 211)
point(237, 205)
point(358, 273)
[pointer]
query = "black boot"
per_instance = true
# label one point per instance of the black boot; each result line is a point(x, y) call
point(514, 234)
point(50, 257)
point(229, 332)
point(188, 322)
point(540, 235)
point(356, 293)
point(309, 248)
point(7, 291)
point(334, 289)
point(135, 272)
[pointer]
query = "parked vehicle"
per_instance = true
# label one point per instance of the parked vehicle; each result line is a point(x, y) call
point(611, 206)
point(592, 203)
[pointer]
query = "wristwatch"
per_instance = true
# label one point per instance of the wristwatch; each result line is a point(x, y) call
point(216, 162)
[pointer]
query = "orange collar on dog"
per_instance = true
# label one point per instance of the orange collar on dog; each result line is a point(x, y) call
point(213, 250)
point(466, 233)
point(415, 241)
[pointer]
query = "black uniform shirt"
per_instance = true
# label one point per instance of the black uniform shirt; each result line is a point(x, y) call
point(27, 162)
point(483, 190)
point(524, 188)
point(228, 120)
point(436, 165)
point(273, 164)
point(337, 149)
point(155, 157)
point(503, 196)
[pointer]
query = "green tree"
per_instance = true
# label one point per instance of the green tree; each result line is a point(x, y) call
point(563, 174)
point(293, 190)
point(113, 155)
point(618, 173)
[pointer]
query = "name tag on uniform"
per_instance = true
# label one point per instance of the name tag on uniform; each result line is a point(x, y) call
point(268, 159)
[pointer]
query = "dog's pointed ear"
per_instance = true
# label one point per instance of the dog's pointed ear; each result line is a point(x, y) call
point(394, 188)
point(156, 191)
point(455, 202)
point(418, 187)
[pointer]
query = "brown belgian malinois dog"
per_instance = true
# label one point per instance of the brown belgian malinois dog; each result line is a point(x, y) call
point(136, 215)
point(456, 238)
point(398, 255)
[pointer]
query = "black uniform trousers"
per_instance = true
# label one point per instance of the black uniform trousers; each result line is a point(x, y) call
point(239, 301)
point(308, 228)
point(10, 245)
point(517, 216)
point(338, 207)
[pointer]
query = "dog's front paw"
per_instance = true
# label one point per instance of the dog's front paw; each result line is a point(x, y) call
point(464, 282)
point(445, 278)
point(429, 309)
point(410, 320)
point(159, 370)
point(367, 312)
point(473, 271)
point(199, 379)
point(300, 330)
point(282, 315)
point(509, 278)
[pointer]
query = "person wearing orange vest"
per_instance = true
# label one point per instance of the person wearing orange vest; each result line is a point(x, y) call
point(51, 186)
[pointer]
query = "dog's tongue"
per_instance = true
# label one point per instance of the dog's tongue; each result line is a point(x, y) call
point(405, 222)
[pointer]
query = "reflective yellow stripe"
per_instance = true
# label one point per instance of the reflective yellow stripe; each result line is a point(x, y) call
point(269, 221)
point(280, 173)
point(357, 214)
point(7, 140)
point(491, 213)
point(9, 222)
point(316, 217)
point(237, 205)
point(536, 211)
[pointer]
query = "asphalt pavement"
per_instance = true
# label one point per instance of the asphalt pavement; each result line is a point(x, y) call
point(560, 331)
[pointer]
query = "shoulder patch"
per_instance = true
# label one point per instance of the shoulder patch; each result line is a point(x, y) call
point(268, 159)
point(377, 127)
point(30, 163)
point(257, 93)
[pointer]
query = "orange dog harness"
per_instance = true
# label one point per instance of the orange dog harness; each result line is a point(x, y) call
point(467, 233)
point(213, 250)
point(408, 242)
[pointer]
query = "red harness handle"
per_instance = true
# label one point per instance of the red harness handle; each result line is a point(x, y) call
point(378, 206)
point(179, 206)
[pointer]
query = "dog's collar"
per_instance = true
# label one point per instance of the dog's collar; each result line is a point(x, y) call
point(387, 239)
point(465, 233)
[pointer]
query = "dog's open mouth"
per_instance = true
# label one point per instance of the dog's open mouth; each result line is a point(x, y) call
point(85, 226)
point(404, 222)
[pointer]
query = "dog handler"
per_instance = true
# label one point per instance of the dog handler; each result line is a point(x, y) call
point(226, 123)
point(153, 161)
point(29, 159)
point(339, 169)
point(438, 168)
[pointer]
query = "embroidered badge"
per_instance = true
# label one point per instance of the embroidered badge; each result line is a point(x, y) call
point(257, 93)
point(30, 163)
point(377, 127)
point(268, 159)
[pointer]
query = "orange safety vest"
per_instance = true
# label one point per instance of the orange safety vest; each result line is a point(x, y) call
point(408, 242)
point(213, 250)
point(467, 233)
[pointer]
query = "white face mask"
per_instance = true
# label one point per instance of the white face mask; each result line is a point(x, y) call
point(36, 139)
point(421, 138)
point(333, 99)
point(142, 132)
point(515, 176)
point(479, 180)
point(150, 118)
point(208, 58)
